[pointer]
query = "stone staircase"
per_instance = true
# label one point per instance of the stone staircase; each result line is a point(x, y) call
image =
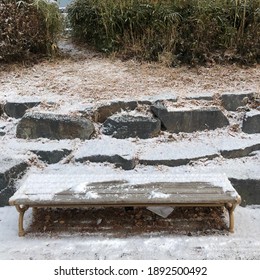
point(152, 135)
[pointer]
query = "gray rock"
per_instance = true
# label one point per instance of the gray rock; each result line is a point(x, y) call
point(189, 120)
point(2, 128)
point(251, 122)
point(249, 190)
point(126, 126)
point(236, 147)
point(232, 101)
point(119, 152)
point(36, 125)
point(105, 111)
point(240, 152)
point(10, 171)
point(5, 194)
point(18, 109)
point(1, 109)
point(52, 156)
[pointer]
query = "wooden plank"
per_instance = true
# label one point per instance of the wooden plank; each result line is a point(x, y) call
point(139, 191)
point(164, 187)
point(132, 199)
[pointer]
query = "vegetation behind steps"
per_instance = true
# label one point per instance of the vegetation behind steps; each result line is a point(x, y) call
point(28, 26)
point(171, 31)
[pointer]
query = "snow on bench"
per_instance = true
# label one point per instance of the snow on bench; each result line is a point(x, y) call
point(134, 189)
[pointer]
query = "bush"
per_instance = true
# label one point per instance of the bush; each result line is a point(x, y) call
point(172, 31)
point(26, 27)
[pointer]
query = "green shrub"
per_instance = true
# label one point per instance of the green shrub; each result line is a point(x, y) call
point(173, 31)
point(29, 26)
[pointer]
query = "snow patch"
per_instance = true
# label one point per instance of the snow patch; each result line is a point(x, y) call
point(252, 113)
point(91, 195)
point(155, 194)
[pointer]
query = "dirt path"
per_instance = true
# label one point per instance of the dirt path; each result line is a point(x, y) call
point(89, 77)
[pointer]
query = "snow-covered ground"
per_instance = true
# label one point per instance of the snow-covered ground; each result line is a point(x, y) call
point(243, 244)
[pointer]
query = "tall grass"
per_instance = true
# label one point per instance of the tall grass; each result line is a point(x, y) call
point(28, 26)
point(172, 31)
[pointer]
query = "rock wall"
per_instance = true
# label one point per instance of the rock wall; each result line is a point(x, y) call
point(129, 134)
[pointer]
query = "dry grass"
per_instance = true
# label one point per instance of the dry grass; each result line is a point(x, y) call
point(88, 77)
point(121, 222)
point(28, 28)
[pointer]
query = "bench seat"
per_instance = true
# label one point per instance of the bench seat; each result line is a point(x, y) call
point(121, 190)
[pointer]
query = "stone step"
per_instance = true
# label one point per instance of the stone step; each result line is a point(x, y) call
point(251, 122)
point(48, 151)
point(249, 189)
point(18, 109)
point(232, 101)
point(187, 119)
point(126, 153)
point(174, 154)
point(130, 126)
point(1, 109)
point(144, 118)
point(102, 112)
point(10, 170)
point(119, 152)
point(54, 126)
point(183, 152)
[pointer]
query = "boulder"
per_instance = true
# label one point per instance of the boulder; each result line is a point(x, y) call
point(251, 122)
point(126, 126)
point(189, 119)
point(36, 125)
point(10, 171)
point(231, 101)
point(18, 109)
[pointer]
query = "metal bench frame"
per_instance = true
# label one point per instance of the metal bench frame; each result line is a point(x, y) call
point(194, 194)
point(23, 208)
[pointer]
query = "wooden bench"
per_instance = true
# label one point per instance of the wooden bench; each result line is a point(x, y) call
point(123, 190)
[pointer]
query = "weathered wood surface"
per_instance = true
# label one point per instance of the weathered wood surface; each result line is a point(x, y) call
point(84, 190)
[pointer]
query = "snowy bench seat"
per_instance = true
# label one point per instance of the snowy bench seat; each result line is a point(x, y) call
point(84, 190)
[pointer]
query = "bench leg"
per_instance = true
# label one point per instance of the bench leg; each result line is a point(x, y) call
point(231, 207)
point(21, 210)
